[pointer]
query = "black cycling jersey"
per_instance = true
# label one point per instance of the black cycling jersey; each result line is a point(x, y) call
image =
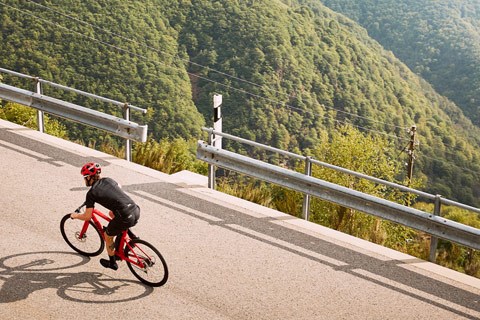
point(108, 193)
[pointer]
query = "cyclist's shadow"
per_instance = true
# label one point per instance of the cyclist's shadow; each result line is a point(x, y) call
point(25, 273)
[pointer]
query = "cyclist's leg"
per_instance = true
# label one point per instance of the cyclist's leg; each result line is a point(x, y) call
point(114, 228)
point(132, 221)
point(118, 239)
point(132, 235)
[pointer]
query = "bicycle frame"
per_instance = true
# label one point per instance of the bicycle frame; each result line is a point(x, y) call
point(137, 261)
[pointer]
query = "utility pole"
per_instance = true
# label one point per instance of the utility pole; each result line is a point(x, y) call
point(411, 152)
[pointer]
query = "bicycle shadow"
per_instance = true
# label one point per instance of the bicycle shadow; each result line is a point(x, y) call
point(23, 274)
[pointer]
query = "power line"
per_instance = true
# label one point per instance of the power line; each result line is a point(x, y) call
point(276, 102)
point(205, 67)
point(152, 48)
point(475, 173)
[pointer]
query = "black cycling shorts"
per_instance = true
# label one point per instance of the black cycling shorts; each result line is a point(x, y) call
point(121, 223)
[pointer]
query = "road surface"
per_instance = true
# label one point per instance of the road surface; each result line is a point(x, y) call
point(228, 258)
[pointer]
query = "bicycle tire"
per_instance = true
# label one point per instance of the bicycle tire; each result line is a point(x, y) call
point(90, 245)
point(155, 272)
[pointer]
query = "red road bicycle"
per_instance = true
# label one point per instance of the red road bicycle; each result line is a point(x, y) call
point(87, 238)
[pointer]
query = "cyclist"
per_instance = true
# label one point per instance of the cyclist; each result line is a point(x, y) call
point(123, 210)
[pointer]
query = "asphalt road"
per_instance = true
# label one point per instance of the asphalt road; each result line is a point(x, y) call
point(228, 259)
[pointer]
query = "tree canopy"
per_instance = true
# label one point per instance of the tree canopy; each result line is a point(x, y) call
point(439, 40)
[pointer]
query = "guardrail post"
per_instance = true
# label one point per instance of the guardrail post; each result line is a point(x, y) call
point(211, 167)
point(306, 197)
point(128, 143)
point(433, 239)
point(40, 117)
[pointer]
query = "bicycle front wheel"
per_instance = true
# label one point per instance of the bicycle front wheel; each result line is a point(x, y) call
point(146, 263)
point(89, 244)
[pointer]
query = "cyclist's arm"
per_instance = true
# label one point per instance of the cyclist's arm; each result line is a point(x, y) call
point(87, 215)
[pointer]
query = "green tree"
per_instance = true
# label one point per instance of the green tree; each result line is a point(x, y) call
point(367, 154)
point(169, 156)
point(28, 117)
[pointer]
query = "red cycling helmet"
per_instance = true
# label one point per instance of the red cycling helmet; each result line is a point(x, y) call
point(91, 169)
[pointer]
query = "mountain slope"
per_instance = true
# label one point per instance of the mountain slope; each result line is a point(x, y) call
point(287, 74)
point(318, 61)
point(440, 40)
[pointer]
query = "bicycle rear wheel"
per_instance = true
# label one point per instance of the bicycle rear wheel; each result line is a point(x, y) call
point(147, 264)
point(90, 244)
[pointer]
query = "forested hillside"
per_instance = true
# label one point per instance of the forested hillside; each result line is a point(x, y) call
point(288, 74)
point(58, 42)
point(440, 40)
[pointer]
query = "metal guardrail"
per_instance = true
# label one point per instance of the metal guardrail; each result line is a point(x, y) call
point(353, 173)
point(118, 126)
point(430, 223)
point(83, 93)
